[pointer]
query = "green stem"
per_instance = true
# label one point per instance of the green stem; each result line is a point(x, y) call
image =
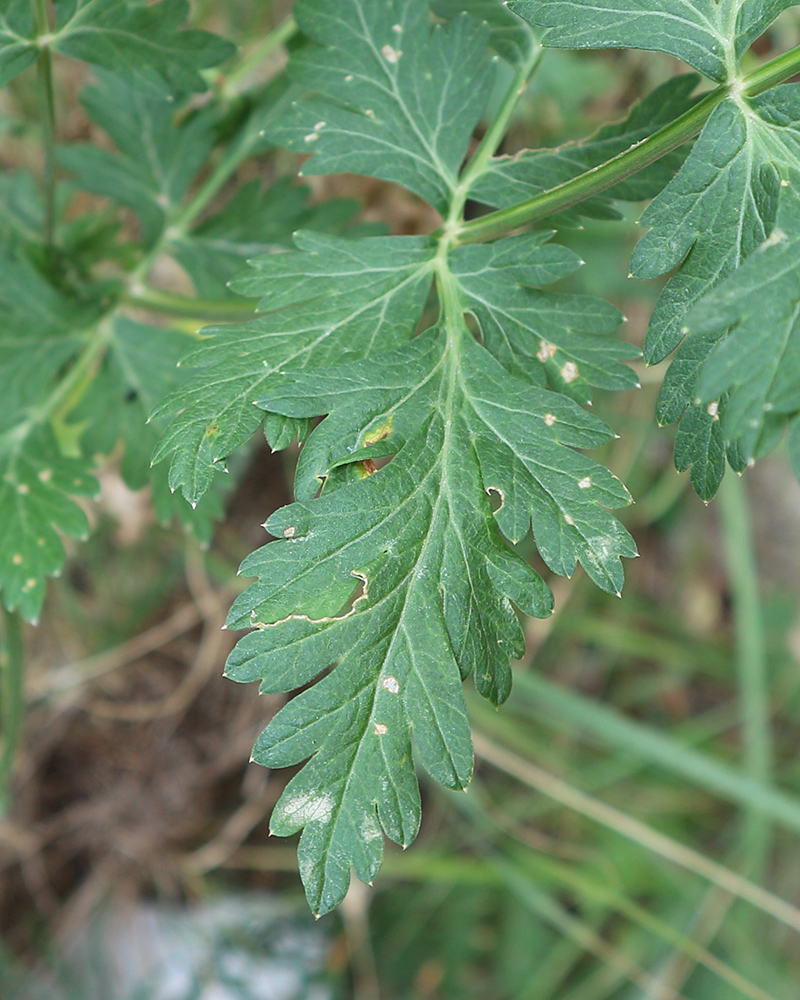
point(497, 130)
point(777, 70)
point(279, 35)
point(209, 189)
point(47, 100)
point(600, 178)
point(232, 157)
point(12, 701)
point(90, 356)
point(207, 310)
point(751, 658)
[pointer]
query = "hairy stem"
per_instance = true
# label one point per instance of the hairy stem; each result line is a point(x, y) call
point(494, 134)
point(47, 101)
point(600, 178)
point(12, 706)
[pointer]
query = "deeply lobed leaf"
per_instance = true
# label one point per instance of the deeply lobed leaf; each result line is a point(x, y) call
point(159, 156)
point(391, 578)
point(36, 484)
point(719, 209)
point(328, 301)
point(393, 98)
point(711, 35)
point(143, 43)
point(752, 320)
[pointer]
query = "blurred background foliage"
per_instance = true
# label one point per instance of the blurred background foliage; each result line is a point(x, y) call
point(632, 830)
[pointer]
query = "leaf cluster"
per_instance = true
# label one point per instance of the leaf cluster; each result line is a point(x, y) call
point(439, 385)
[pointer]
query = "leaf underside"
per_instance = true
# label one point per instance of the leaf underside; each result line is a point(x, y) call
point(720, 209)
point(711, 35)
point(391, 578)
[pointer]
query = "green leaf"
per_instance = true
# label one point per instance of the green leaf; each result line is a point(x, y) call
point(326, 302)
point(139, 371)
point(720, 209)
point(30, 305)
point(699, 445)
point(395, 97)
point(437, 580)
point(17, 51)
point(36, 483)
point(510, 37)
point(511, 179)
point(392, 578)
point(158, 157)
point(20, 205)
point(254, 222)
point(542, 337)
point(436, 575)
point(142, 43)
point(711, 35)
point(754, 362)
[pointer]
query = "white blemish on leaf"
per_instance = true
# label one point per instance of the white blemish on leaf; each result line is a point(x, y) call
point(713, 409)
point(309, 806)
point(585, 483)
point(390, 54)
point(391, 684)
point(17, 560)
point(568, 519)
point(398, 28)
point(349, 78)
point(369, 113)
point(380, 729)
point(546, 351)
point(312, 137)
point(29, 584)
point(45, 475)
point(602, 547)
point(318, 621)
point(23, 488)
point(289, 532)
point(569, 372)
point(776, 236)
point(370, 830)
point(319, 125)
point(550, 419)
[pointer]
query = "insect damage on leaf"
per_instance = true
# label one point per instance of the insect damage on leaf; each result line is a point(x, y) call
point(390, 585)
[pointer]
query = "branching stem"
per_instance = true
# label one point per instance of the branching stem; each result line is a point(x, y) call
point(496, 131)
point(602, 177)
